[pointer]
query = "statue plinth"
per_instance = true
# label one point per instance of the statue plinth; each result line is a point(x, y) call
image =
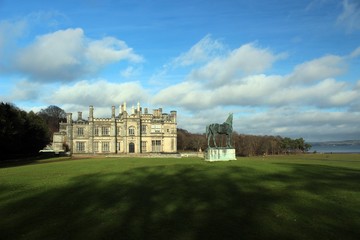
point(220, 154)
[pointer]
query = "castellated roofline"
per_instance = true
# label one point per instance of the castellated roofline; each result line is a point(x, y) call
point(135, 112)
point(125, 130)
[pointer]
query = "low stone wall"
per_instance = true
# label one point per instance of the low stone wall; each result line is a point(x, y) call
point(192, 154)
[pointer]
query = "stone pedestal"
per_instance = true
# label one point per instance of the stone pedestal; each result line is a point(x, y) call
point(220, 154)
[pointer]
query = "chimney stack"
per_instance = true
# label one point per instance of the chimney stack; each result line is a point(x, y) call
point(69, 118)
point(113, 111)
point(79, 115)
point(173, 115)
point(91, 113)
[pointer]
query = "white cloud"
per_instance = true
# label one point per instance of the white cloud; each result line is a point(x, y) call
point(295, 122)
point(326, 93)
point(257, 91)
point(66, 55)
point(350, 16)
point(55, 56)
point(247, 59)
point(313, 125)
point(318, 69)
point(185, 94)
point(130, 71)
point(355, 53)
point(108, 50)
point(200, 52)
point(99, 93)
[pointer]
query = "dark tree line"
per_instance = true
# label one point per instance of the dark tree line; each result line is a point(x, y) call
point(245, 145)
point(24, 133)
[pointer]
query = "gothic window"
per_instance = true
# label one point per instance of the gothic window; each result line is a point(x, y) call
point(96, 131)
point(80, 131)
point(156, 128)
point(143, 146)
point(131, 131)
point(105, 146)
point(143, 129)
point(96, 147)
point(80, 146)
point(156, 145)
point(105, 131)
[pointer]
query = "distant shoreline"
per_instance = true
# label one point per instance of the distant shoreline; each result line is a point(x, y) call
point(333, 148)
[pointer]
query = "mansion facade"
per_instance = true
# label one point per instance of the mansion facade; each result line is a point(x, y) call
point(134, 132)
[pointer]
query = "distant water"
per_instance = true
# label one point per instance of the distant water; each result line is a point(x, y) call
point(335, 148)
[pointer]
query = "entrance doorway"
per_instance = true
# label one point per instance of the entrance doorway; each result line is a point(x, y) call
point(131, 148)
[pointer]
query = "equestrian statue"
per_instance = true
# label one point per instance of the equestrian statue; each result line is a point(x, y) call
point(225, 128)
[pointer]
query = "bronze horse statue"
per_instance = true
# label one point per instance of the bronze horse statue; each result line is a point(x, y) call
point(225, 128)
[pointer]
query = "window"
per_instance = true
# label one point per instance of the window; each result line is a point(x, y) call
point(131, 131)
point(80, 146)
point(105, 147)
point(156, 128)
point(143, 146)
point(119, 131)
point(143, 129)
point(96, 147)
point(131, 147)
point(96, 131)
point(80, 131)
point(105, 131)
point(156, 145)
point(118, 146)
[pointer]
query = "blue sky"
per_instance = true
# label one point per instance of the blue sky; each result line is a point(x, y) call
point(288, 68)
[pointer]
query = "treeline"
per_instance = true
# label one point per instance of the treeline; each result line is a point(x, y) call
point(22, 133)
point(245, 145)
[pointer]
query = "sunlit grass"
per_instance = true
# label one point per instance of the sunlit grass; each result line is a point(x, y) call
point(274, 197)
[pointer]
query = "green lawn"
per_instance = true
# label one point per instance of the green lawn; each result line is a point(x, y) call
point(280, 197)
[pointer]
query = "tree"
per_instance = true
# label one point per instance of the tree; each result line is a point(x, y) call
point(245, 145)
point(21, 133)
point(37, 134)
point(52, 115)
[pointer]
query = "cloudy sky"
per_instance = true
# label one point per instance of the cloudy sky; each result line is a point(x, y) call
point(288, 68)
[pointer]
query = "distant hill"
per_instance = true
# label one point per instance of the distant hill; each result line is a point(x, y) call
point(336, 143)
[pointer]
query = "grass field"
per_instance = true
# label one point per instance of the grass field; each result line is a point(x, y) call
point(280, 197)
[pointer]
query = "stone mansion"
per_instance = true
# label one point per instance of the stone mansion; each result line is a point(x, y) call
point(134, 132)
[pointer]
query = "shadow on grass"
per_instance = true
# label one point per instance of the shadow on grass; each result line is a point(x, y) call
point(16, 162)
point(183, 202)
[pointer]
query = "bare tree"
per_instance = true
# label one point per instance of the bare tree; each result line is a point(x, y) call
point(52, 115)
